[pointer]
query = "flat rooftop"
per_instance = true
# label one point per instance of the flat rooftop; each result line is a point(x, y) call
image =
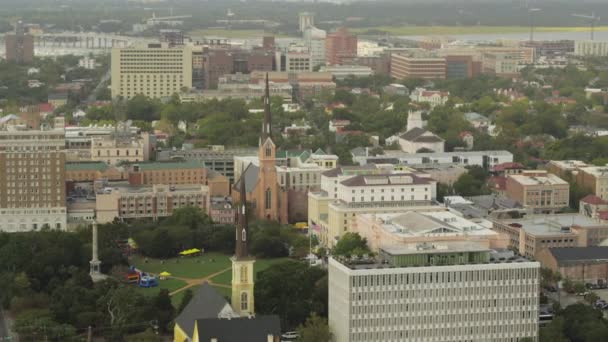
point(538, 179)
point(552, 224)
point(413, 223)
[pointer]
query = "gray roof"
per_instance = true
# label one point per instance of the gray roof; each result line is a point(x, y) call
point(416, 134)
point(239, 329)
point(251, 178)
point(565, 254)
point(472, 116)
point(206, 303)
point(385, 180)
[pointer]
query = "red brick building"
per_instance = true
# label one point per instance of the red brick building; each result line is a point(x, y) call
point(339, 45)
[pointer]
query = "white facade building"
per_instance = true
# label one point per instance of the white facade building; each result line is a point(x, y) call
point(432, 97)
point(341, 72)
point(591, 48)
point(484, 159)
point(314, 39)
point(436, 299)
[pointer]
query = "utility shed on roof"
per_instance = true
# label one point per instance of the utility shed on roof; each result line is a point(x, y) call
point(585, 264)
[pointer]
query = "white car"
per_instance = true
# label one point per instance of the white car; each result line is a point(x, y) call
point(290, 335)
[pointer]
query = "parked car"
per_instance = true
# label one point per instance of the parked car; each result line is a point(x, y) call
point(290, 336)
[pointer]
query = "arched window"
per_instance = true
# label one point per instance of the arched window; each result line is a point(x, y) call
point(244, 235)
point(268, 199)
point(268, 151)
point(244, 301)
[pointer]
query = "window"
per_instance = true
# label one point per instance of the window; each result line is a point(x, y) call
point(268, 199)
point(243, 274)
point(244, 301)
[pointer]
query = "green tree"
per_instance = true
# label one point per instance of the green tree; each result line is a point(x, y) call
point(163, 309)
point(315, 329)
point(351, 244)
point(289, 289)
point(185, 300)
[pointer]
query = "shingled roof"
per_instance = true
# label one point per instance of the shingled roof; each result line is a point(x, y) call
point(206, 303)
point(241, 329)
point(416, 134)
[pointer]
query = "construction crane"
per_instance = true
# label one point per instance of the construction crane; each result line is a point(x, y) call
point(531, 12)
point(592, 20)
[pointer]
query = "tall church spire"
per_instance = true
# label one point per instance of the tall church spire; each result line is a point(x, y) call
point(241, 250)
point(267, 125)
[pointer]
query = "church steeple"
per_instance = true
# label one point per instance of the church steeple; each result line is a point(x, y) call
point(241, 250)
point(267, 125)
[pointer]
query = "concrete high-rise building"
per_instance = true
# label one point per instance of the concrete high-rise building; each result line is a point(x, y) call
point(340, 45)
point(456, 291)
point(314, 39)
point(306, 19)
point(19, 46)
point(32, 180)
point(154, 70)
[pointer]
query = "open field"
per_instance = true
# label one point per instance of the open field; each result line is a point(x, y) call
point(186, 267)
point(192, 271)
point(456, 30)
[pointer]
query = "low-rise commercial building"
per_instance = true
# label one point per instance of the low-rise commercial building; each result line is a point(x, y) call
point(594, 179)
point(485, 159)
point(434, 292)
point(531, 234)
point(214, 158)
point(538, 190)
point(431, 226)
point(565, 168)
point(125, 202)
point(341, 72)
point(583, 264)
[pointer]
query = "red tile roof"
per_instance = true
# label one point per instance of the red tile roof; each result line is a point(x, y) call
point(603, 215)
point(594, 200)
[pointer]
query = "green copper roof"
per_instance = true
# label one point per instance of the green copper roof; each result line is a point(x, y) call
point(170, 165)
point(86, 166)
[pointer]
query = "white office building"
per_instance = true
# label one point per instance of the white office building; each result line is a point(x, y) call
point(452, 292)
point(314, 39)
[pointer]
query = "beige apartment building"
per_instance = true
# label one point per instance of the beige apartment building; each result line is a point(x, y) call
point(133, 202)
point(538, 190)
point(595, 179)
point(32, 180)
point(154, 70)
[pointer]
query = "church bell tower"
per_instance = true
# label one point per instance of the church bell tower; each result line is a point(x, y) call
point(242, 263)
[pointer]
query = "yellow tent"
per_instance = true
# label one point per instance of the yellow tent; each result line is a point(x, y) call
point(165, 274)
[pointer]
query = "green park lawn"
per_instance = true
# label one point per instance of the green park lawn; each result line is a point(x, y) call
point(170, 284)
point(185, 267)
point(456, 30)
